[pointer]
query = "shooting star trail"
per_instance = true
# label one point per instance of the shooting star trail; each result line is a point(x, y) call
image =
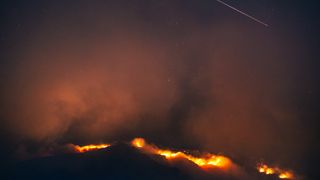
point(243, 13)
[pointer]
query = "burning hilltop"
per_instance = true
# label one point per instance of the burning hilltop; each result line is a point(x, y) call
point(209, 164)
point(118, 161)
point(90, 147)
point(282, 174)
point(205, 161)
point(208, 161)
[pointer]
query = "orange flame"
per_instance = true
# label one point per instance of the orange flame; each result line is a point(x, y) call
point(138, 142)
point(90, 147)
point(205, 161)
point(282, 174)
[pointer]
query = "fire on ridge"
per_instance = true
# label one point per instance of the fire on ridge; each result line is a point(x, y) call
point(205, 161)
point(208, 160)
point(282, 174)
point(90, 147)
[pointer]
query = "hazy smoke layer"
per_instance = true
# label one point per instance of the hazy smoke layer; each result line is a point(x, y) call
point(88, 72)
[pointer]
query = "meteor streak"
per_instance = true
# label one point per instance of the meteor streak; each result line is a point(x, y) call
point(243, 13)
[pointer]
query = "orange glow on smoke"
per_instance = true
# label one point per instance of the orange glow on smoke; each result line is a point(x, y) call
point(205, 161)
point(90, 147)
point(282, 174)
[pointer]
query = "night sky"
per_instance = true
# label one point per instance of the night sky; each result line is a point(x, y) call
point(182, 73)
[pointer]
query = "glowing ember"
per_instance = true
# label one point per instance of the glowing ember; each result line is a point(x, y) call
point(90, 147)
point(138, 142)
point(205, 161)
point(282, 174)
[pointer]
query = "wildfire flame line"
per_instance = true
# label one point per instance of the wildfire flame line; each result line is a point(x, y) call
point(90, 147)
point(205, 161)
point(282, 174)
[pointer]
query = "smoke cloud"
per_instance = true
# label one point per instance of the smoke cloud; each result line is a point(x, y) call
point(102, 71)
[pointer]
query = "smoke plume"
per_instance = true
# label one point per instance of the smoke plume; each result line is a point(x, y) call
point(93, 72)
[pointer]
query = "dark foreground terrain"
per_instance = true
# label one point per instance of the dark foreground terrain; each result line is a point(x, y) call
point(120, 161)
